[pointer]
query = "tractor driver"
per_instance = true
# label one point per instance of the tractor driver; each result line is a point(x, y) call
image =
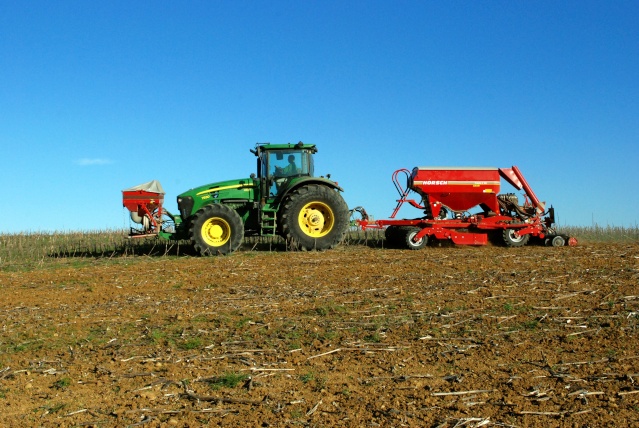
point(288, 170)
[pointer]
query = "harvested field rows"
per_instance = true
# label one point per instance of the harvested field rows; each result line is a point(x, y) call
point(356, 336)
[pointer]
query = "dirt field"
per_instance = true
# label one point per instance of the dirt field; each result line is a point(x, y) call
point(357, 336)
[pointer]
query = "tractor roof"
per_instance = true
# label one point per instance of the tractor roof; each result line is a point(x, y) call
point(260, 147)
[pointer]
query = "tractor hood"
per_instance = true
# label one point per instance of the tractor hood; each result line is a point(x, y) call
point(220, 186)
point(239, 190)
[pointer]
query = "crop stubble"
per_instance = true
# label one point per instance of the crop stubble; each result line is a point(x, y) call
point(355, 336)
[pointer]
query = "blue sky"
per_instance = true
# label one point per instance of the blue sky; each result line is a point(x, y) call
point(96, 97)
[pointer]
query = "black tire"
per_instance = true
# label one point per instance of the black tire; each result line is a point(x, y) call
point(216, 229)
point(512, 239)
point(392, 236)
point(408, 240)
point(558, 241)
point(314, 217)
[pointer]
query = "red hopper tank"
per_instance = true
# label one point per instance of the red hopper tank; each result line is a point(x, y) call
point(458, 188)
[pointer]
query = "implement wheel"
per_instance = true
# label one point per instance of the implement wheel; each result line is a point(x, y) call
point(314, 217)
point(558, 241)
point(216, 229)
point(513, 239)
point(412, 245)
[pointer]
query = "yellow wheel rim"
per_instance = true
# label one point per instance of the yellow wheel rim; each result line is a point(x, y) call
point(216, 232)
point(316, 219)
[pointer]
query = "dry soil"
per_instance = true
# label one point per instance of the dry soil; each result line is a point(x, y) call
point(356, 336)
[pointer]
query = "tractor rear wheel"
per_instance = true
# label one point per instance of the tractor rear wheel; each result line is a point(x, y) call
point(314, 217)
point(513, 239)
point(216, 229)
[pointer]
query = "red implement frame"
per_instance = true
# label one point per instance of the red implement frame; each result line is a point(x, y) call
point(463, 188)
point(403, 193)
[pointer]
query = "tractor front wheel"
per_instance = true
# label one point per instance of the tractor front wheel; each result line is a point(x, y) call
point(314, 217)
point(216, 229)
point(514, 239)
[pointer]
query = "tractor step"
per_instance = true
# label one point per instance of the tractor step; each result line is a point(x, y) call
point(269, 222)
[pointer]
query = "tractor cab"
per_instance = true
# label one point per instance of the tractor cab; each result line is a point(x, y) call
point(279, 165)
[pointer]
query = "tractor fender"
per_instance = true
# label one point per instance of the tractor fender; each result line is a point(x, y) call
point(311, 180)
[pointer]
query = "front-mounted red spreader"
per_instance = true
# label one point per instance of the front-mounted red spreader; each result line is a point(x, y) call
point(448, 193)
point(144, 202)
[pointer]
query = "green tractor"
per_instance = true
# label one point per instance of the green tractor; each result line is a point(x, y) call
point(283, 199)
